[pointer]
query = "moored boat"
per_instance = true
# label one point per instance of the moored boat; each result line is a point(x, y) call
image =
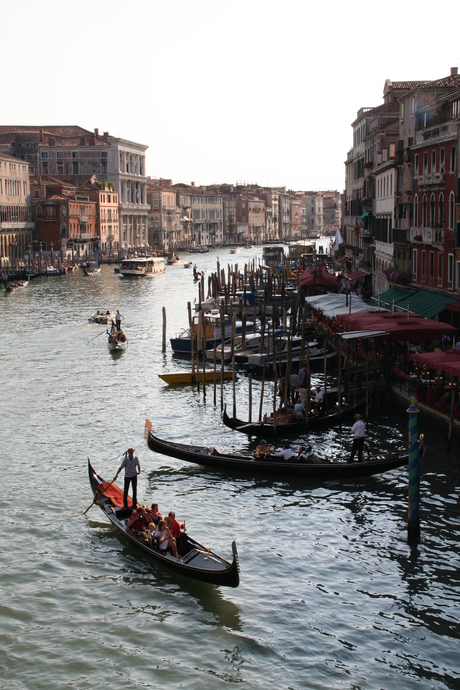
point(186, 376)
point(318, 469)
point(285, 423)
point(193, 560)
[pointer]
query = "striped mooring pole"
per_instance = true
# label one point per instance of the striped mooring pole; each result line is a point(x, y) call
point(413, 523)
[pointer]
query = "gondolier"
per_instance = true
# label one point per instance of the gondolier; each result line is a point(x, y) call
point(358, 429)
point(118, 318)
point(132, 468)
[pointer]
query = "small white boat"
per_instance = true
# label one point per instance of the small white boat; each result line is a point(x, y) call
point(102, 316)
point(92, 269)
point(52, 271)
point(188, 264)
point(117, 341)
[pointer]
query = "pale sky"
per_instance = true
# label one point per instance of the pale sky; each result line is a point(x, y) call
point(245, 91)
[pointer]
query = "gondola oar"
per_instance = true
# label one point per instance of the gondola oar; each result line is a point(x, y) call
point(98, 494)
point(97, 336)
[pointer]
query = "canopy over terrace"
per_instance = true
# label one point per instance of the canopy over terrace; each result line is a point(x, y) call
point(448, 361)
point(316, 275)
point(333, 304)
point(400, 327)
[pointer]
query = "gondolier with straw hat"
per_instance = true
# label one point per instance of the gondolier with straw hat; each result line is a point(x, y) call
point(132, 468)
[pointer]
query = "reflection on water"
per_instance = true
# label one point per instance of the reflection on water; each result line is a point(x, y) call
point(330, 595)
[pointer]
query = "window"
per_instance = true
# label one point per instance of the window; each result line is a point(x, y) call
point(442, 161)
point(453, 167)
point(414, 264)
point(433, 161)
point(59, 154)
point(24, 188)
point(431, 269)
point(44, 154)
point(74, 168)
point(432, 211)
point(60, 168)
point(439, 269)
point(74, 154)
point(425, 162)
point(441, 210)
point(44, 168)
point(416, 170)
point(412, 106)
point(424, 204)
point(423, 266)
point(451, 210)
point(104, 168)
point(103, 154)
point(450, 269)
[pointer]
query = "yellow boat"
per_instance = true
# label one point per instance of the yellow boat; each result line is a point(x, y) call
point(185, 376)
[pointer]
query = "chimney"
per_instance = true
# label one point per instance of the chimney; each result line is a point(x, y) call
point(41, 133)
point(193, 184)
point(106, 135)
point(96, 131)
point(453, 71)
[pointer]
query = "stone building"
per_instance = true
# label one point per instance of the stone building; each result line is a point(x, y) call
point(16, 224)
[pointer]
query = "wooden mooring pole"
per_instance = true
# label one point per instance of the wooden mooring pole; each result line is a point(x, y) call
point(413, 522)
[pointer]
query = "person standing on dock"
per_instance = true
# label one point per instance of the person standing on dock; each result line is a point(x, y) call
point(358, 429)
point(132, 468)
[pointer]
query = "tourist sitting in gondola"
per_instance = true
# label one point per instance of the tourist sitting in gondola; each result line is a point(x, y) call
point(299, 409)
point(286, 453)
point(165, 539)
point(304, 454)
point(138, 521)
point(262, 451)
point(154, 514)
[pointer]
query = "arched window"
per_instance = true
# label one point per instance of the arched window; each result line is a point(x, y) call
point(432, 212)
point(416, 211)
point(441, 210)
point(451, 210)
point(424, 209)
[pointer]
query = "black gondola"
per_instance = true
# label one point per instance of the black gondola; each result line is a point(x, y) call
point(193, 560)
point(319, 469)
point(287, 424)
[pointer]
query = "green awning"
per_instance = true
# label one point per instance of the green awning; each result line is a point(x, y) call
point(426, 303)
point(363, 215)
point(394, 293)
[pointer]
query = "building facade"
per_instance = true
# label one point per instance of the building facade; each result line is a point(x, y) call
point(16, 225)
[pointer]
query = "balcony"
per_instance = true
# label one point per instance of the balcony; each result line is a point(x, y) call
point(401, 235)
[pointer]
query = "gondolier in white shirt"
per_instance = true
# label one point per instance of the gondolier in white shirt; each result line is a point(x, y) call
point(118, 318)
point(358, 429)
point(132, 468)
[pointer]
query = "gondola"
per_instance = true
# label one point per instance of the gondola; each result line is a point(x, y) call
point(318, 469)
point(117, 341)
point(193, 560)
point(287, 424)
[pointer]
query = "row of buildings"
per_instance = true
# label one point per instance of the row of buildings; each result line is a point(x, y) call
point(73, 190)
point(401, 205)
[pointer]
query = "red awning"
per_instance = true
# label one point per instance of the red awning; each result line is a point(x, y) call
point(400, 327)
point(448, 361)
point(317, 275)
point(342, 261)
point(357, 274)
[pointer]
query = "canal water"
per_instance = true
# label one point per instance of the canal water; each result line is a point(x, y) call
point(331, 595)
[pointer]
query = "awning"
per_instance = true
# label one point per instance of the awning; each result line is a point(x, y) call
point(362, 335)
point(342, 261)
point(356, 275)
point(400, 327)
point(426, 303)
point(394, 293)
point(363, 215)
point(447, 360)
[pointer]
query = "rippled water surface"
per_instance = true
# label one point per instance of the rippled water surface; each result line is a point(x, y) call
point(331, 596)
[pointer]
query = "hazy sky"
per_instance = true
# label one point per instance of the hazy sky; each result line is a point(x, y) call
point(248, 90)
